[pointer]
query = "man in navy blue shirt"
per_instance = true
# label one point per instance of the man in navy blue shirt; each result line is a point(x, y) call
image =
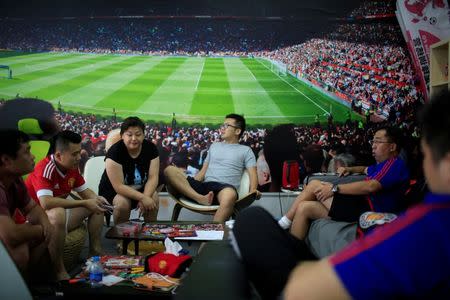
point(407, 258)
point(383, 188)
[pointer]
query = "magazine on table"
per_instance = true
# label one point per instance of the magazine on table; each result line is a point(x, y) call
point(121, 261)
point(178, 230)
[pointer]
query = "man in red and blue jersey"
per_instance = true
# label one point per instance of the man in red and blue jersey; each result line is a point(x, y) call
point(381, 191)
point(408, 258)
point(269, 253)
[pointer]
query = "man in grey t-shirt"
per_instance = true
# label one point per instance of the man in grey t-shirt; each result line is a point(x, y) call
point(220, 176)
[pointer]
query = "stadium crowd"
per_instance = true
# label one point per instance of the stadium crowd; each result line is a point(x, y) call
point(363, 62)
point(146, 36)
point(371, 8)
point(186, 146)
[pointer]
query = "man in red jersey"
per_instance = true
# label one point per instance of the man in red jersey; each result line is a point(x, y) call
point(51, 182)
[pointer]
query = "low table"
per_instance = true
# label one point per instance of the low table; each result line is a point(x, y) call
point(113, 233)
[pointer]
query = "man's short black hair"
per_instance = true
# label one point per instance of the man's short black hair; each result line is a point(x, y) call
point(436, 125)
point(240, 122)
point(63, 139)
point(131, 122)
point(394, 135)
point(12, 139)
point(313, 158)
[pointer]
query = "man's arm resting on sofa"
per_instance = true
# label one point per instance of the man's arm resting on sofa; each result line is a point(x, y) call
point(200, 176)
point(252, 174)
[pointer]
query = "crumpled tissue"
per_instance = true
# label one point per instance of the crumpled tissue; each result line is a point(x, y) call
point(172, 247)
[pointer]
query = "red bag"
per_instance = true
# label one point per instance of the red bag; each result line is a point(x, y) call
point(168, 264)
point(290, 180)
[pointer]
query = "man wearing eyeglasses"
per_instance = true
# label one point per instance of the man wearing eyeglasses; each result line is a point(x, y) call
point(405, 259)
point(258, 236)
point(219, 179)
point(381, 191)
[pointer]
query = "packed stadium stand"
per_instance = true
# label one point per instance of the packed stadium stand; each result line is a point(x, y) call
point(361, 60)
point(364, 61)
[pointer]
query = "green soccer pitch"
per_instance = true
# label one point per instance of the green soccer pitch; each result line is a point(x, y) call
point(197, 89)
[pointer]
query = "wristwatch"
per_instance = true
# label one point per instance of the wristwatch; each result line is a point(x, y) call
point(335, 189)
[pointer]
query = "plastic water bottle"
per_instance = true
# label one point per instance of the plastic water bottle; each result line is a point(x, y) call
point(95, 272)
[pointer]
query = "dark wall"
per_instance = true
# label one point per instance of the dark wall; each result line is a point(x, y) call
point(300, 8)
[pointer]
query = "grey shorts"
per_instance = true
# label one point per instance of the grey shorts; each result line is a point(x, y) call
point(326, 236)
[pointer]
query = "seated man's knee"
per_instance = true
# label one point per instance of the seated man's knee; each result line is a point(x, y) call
point(82, 211)
point(121, 203)
point(170, 170)
point(314, 183)
point(304, 207)
point(57, 216)
point(167, 171)
point(227, 196)
point(228, 203)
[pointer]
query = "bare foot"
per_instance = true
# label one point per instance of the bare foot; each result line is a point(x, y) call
point(207, 199)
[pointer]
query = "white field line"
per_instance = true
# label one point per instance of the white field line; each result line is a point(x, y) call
point(170, 114)
point(253, 75)
point(200, 75)
point(312, 101)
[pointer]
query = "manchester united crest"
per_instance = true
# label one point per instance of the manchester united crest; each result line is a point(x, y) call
point(71, 182)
